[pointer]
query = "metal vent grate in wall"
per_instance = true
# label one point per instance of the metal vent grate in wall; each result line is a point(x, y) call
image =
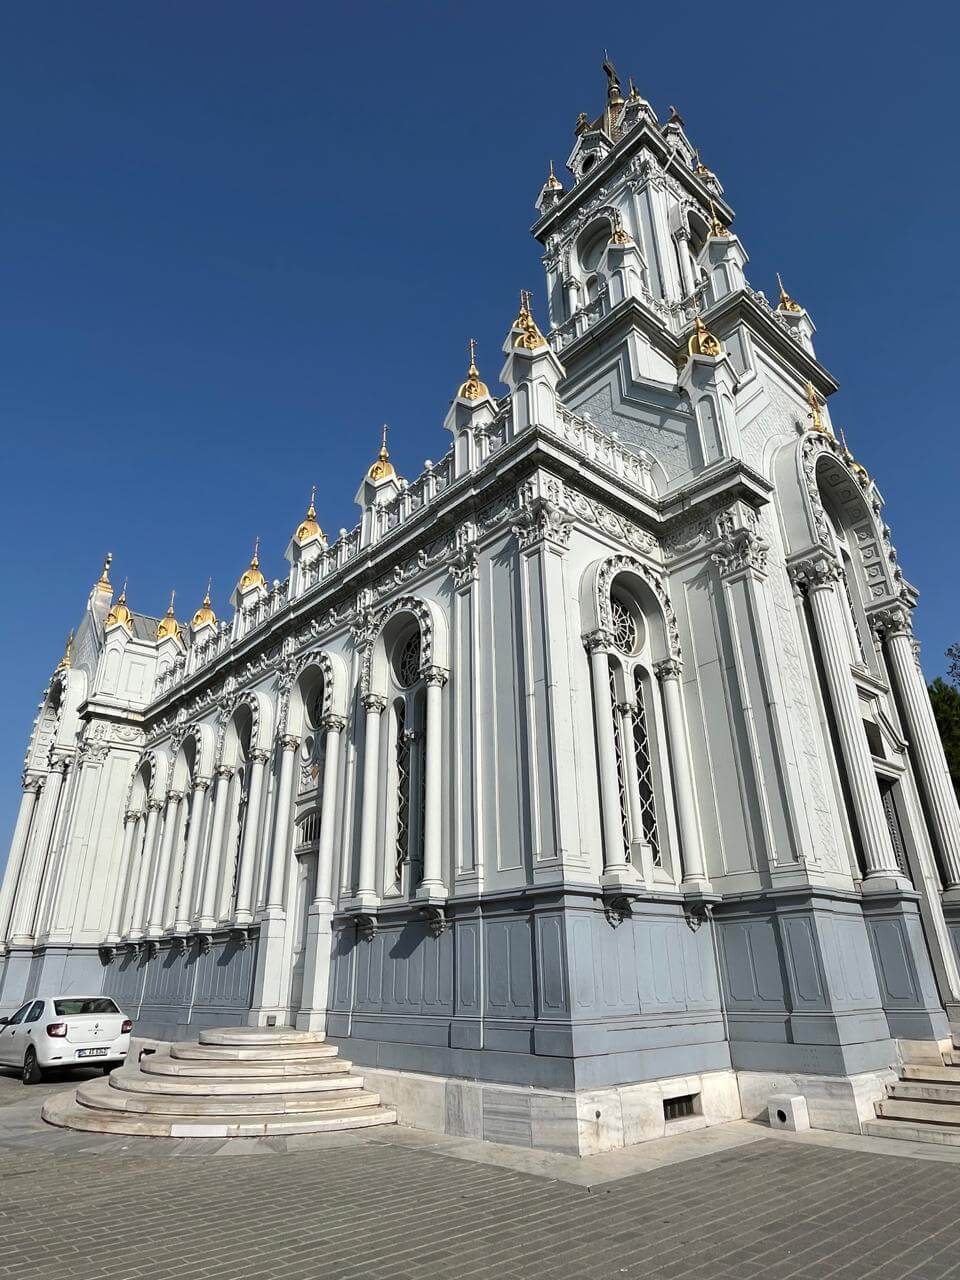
point(678, 1108)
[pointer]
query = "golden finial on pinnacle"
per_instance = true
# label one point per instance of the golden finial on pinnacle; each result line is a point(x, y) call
point(786, 303)
point(204, 616)
point(168, 627)
point(473, 388)
point(716, 226)
point(530, 337)
point(582, 125)
point(702, 342)
point(308, 526)
point(66, 662)
point(553, 183)
point(103, 582)
point(858, 469)
point(251, 576)
point(119, 613)
point(699, 167)
point(383, 468)
point(814, 414)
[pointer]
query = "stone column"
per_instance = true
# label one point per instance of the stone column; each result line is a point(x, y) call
point(616, 868)
point(25, 907)
point(208, 897)
point(367, 895)
point(682, 239)
point(32, 785)
point(681, 776)
point(138, 922)
point(131, 825)
point(432, 886)
point(333, 727)
point(289, 745)
point(893, 626)
point(817, 576)
point(185, 899)
point(243, 913)
point(157, 914)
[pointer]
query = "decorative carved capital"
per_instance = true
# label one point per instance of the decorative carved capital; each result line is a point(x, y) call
point(224, 772)
point(59, 762)
point(463, 567)
point(435, 675)
point(174, 797)
point(741, 549)
point(259, 756)
point(542, 521)
point(668, 669)
point(892, 620)
point(627, 708)
point(155, 806)
point(599, 641)
point(33, 782)
point(816, 572)
point(333, 724)
point(374, 702)
point(289, 742)
point(201, 784)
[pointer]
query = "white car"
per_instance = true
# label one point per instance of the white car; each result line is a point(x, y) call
point(64, 1031)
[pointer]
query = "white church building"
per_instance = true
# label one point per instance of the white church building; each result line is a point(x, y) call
point(592, 770)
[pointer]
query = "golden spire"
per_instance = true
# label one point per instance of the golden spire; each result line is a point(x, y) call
point(168, 625)
point(308, 526)
point(816, 419)
point(383, 468)
point(786, 303)
point(204, 616)
point(716, 226)
point(66, 662)
point(634, 92)
point(553, 183)
point(251, 576)
point(858, 469)
point(119, 613)
point(473, 388)
point(103, 582)
point(530, 337)
point(699, 167)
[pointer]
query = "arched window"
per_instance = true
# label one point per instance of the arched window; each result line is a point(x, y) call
point(854, 617)
point(641, 767)
point(406, 774)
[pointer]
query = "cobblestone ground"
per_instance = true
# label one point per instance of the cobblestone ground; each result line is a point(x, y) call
point(75, 1206)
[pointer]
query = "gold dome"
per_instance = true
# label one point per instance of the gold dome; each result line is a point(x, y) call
point(530, 337)
point(702, 342)
point(308, 527)
point(168, 625)
point(383, 468)
point(473, 388)
point(204, 617)
point(251, 576)
point(786, 303)
point(119, 614)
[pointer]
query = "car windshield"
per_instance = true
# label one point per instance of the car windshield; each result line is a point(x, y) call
point(91, 1004)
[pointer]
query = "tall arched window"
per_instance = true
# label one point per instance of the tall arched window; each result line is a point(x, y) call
point(638, 740)
point(406, 773)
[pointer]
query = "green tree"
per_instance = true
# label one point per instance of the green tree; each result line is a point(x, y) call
point(946, 709)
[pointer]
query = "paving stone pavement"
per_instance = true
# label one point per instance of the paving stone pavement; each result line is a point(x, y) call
point(405, 1208)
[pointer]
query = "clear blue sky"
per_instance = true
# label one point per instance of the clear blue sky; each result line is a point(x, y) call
point(236, 237)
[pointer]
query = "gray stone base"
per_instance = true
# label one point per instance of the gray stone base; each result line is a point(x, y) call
point(841, 1103)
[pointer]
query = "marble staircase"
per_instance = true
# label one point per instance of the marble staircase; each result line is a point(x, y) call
point(237, 1082)
point(923, 1105)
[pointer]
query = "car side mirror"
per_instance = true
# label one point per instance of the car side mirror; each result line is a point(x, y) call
point(4, 1022)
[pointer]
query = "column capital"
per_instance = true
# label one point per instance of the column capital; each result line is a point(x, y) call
point(890, 620)
point(741, 549)
point(224, 771)
point(374, 702)
point(33, 782)
point(201, 784)
point(154, 806)
point(133, 815)
point(542, 521)
point(627, 708)
point(816, 572)
point(174, 797)
point(668, 669)
point(259, 756)
point(599, 641)
point(289, 742)
point(333, 724)
point(59, 762)
point(435, 675)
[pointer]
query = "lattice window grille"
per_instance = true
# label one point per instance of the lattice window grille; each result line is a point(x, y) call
point(641, 749)
point(403, 792)
point(621, 763)
point(241, 823)
point(623, 625)
point(408, 661)
point(308, 829)
point(853, 616)
point(893, 826)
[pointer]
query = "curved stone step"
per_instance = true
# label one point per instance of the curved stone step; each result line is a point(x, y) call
point(133, 1081)
point(913, 1131)
point(97, 1094)
point(254, 1053)
point(63, 1109)
point(155, 1065)
point(259, 1035)
point(946, 1113)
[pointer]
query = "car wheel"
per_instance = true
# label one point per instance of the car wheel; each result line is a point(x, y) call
point(32, 1073)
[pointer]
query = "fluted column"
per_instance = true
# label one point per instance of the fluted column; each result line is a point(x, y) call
point(25, 907)
point(257, 763)
point(156, 916)
point(289, 745)
point(681, 776)
point(893, 626)
point(194, 832)
point(131, 822)
point(138, 922)
point(32, 785)
point(616, 868)
point(817, 577)
point(211, 878)
point(374, 706)
point(432, 886)
point(333, 727)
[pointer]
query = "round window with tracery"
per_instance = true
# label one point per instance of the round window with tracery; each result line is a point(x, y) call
point(623, 625)
point(408, 661)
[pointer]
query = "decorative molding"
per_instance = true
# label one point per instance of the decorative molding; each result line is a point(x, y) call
point(615, 565)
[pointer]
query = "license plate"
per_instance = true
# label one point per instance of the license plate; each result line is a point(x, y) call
point(91, 1053)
